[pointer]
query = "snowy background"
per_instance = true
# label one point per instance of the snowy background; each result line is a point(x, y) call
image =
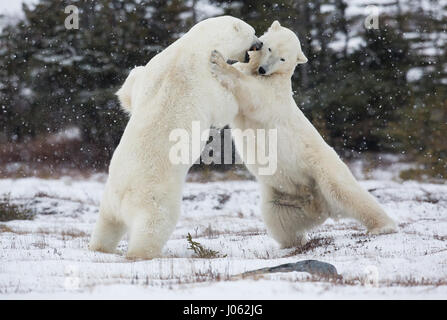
point(379, 97)
point(47, 257)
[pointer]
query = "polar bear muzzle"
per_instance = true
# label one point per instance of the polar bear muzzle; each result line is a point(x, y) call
point(257, 45)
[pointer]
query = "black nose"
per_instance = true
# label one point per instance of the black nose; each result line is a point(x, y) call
point(261, 70)
point(256, 46)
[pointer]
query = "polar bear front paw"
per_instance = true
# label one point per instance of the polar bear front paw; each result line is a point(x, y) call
point(386, 229)
point(220, 69)
point(217, 59)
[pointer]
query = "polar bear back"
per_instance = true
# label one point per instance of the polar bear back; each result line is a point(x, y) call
point(183, 73)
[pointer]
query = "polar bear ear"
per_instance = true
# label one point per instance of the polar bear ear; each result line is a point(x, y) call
point(275, 25)
point(301, 58)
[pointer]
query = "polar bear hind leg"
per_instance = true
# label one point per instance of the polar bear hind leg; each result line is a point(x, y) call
point(347, 198)
point(152, 222)
point(288, 217)
point(150, 232)
point(107, 234)
point(357, 203)
point(278, 222)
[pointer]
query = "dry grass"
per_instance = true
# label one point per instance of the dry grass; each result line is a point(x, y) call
point(440, 238)
point(311, 245)
point(399, 282)
point(6, 229)
point(11, 211)
point(64, 235)
point(86, 202)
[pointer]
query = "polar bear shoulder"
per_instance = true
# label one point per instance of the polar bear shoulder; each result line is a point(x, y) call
point(125, 92)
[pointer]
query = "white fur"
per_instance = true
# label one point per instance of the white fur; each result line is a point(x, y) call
point(126, 92)
point(144, 189)
point(311, 183)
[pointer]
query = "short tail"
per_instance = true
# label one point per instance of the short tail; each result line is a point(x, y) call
point(126, 91)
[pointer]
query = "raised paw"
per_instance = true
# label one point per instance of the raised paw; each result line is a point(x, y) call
point(217, 59)
point(220, 69)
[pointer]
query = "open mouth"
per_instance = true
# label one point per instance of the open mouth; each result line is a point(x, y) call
point(254, 47)
point(247, 57)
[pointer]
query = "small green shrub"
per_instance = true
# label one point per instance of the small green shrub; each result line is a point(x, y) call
point(200, 251)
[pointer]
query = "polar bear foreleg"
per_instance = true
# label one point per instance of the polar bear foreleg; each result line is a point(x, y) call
point(227, 75)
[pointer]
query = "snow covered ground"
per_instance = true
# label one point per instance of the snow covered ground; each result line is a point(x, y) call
point(47, 257)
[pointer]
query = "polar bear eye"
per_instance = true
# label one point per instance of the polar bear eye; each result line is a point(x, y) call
point(270, 50)
point(282, 59)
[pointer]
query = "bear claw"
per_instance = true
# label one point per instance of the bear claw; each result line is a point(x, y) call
point(217, 58)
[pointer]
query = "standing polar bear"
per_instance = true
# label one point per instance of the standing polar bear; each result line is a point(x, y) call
point(144, 189)
point(311, 183)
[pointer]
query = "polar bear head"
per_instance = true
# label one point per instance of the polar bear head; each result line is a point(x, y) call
point(231, 36)
point(281, 51)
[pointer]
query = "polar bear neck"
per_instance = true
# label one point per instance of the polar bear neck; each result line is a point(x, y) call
point(229, 35)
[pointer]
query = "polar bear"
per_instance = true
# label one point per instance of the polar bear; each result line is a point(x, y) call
point(311, 183)
point(144, 189)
